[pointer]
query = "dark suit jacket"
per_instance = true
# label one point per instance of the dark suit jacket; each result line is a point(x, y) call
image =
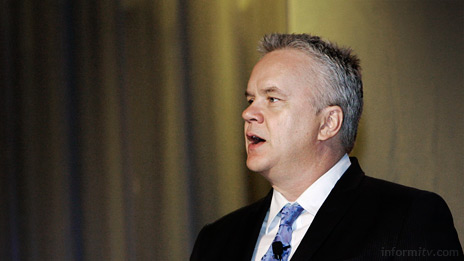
point(363, 218)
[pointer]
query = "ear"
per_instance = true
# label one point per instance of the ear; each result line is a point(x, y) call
point(331, 122)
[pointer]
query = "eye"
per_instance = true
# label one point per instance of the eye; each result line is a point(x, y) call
point(273, 99)
point(250, 101)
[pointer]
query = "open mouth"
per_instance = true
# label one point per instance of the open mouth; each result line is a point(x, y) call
point(255, 139)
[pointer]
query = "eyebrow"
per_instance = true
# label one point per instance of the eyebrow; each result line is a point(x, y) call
point(267, 90)
point(272, 89)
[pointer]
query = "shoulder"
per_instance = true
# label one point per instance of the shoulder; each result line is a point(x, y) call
point(409, 200)
point(378, 190)
point(394, 191)
point(422, 218)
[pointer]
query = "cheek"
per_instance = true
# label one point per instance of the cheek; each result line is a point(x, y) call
point(285, 130)
point(280, 125)
point(304, 128)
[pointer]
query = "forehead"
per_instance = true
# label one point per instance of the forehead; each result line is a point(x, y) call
point(287, 70)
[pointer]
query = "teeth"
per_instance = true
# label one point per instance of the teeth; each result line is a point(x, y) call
point(256, 139)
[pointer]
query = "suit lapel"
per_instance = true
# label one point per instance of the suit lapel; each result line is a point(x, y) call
point(331, 212)
point(242, 245)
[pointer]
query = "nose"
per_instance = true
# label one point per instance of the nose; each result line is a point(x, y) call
point(253, 113)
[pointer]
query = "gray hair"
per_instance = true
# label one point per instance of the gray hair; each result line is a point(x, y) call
point(340, 74)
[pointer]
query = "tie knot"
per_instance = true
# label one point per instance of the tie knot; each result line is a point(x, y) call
point(290, 213)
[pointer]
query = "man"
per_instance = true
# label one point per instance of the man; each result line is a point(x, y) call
point(305, 101)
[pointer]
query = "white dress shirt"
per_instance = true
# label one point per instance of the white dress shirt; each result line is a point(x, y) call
point(311, 200)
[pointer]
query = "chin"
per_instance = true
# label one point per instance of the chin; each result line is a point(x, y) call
point(256, 165)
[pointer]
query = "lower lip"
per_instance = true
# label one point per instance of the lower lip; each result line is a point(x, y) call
point(252, 146)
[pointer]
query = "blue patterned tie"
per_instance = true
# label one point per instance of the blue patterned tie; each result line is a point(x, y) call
point(289, 214)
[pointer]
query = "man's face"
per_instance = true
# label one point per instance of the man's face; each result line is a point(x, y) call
point(281, 125)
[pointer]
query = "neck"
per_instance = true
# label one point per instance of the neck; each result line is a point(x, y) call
point(297, 180)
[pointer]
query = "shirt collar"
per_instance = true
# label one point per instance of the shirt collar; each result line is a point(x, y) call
point(314, 196)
